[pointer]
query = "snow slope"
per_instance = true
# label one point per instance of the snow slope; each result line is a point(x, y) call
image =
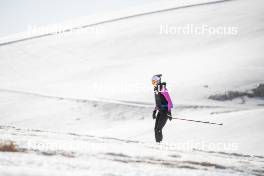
point(73, 64)
point(65, 136)
point(110, 10)
point(93, 91)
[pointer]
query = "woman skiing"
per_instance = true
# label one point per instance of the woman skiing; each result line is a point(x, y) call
point(163, 107)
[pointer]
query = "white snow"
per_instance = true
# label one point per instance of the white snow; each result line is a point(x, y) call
point(81, 103)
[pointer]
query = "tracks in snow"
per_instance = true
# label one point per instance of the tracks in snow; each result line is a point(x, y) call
point(46, 144)
point(120, 102)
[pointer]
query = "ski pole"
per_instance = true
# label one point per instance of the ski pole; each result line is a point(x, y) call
point(199, 121)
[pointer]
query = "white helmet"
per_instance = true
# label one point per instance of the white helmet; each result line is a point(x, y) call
point(157, 78)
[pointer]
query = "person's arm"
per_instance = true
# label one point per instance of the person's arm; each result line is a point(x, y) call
point(154, 114)
point(157, 100)
point(156, 106)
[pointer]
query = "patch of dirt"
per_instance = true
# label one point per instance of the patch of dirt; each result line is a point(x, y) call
point(8, 146)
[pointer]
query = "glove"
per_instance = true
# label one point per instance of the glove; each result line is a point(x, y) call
point(169, 115)
point(154, 114)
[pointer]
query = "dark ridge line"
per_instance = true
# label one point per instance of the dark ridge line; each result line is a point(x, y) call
point(114, 20)
point(154, 12)
point(46, 96)
point(77, 100)
point(26, 39)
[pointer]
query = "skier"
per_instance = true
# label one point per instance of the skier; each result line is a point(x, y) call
point(163, 107)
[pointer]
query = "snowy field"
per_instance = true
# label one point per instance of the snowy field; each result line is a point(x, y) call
point(80, 103)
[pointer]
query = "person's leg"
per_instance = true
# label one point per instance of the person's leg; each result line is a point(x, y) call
point(160, 123)
point(156, 127)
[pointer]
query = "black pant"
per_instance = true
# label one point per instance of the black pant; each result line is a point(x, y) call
point(159, 124)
